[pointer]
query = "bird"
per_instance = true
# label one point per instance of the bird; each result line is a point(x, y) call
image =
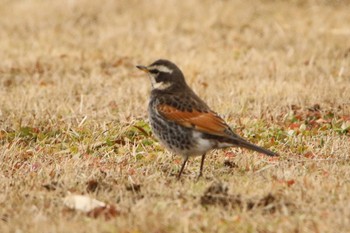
point(182, 121)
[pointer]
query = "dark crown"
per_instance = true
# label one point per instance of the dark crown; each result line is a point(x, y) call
point(168, 72)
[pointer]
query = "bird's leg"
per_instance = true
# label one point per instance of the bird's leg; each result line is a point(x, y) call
point(182, 167)
point(202, 164)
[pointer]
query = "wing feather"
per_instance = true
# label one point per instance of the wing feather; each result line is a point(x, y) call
point(206, 122)
point(210, 123)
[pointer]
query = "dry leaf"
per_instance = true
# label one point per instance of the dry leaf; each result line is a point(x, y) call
point(82, 203)
point(108, 212)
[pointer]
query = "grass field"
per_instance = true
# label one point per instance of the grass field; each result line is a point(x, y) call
point(73, 115)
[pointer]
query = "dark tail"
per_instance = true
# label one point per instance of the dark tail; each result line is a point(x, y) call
point(243, 143)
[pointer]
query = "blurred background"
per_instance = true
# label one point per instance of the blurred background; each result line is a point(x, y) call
point(78, 57)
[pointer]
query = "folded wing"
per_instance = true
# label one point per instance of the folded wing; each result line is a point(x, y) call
point(206, 122)
point(210, 123)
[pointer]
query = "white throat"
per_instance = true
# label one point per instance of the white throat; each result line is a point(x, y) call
point(159, 85)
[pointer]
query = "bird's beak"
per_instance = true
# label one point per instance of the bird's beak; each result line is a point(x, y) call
point(143, 68)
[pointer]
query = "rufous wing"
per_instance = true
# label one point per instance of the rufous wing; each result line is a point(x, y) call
point(206, 122)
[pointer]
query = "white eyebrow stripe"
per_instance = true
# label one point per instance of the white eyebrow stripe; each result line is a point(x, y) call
point(161, 68)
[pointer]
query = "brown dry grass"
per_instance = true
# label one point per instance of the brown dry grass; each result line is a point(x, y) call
point(70, 98)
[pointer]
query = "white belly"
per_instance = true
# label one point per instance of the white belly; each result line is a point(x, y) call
point(204, 145)
point(201, 146)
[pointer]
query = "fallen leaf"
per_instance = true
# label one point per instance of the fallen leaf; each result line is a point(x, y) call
point(131, 171)
point(178, 161)
point(113, 105)
point(309, 155)
point(322, 121)
point(294, 126)
point(92, 185)
point(108, 212)
point(230, 155)
point(346, 117)
point(273, 159)
point(82, 203)
point(290, 182)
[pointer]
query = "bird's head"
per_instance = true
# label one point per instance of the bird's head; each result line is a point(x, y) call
point(164, 75)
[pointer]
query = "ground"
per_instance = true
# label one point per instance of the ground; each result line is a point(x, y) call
point(73, 115)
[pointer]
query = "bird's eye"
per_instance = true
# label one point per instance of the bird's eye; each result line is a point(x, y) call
point(154, 71)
